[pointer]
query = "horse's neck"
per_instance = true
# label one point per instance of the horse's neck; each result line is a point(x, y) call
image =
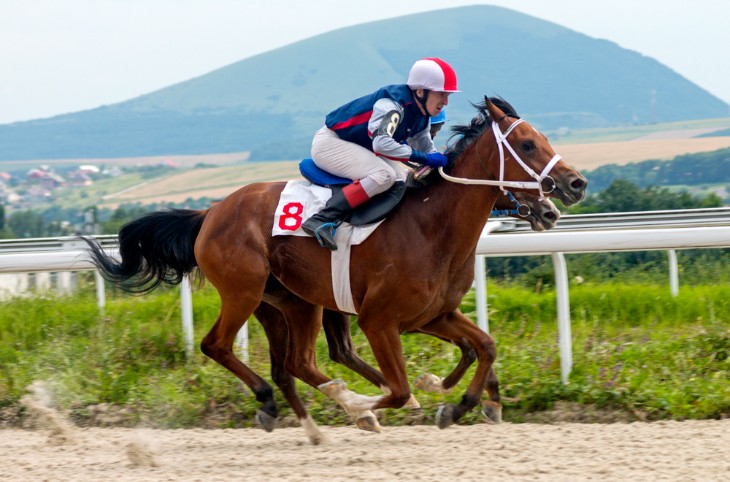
point(459, 212)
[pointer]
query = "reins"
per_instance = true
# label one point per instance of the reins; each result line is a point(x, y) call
point(501, 139)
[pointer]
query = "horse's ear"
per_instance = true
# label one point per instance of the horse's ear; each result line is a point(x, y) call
point(494, 111)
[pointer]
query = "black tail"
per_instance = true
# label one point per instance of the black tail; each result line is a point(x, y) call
point(155, 248)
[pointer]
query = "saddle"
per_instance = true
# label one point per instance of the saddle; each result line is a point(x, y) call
point(374, 210)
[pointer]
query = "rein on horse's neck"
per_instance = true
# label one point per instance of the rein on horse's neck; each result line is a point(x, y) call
point(461, 206)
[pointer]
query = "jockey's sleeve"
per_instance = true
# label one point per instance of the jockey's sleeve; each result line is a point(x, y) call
point(422, 141)
point(387, 115)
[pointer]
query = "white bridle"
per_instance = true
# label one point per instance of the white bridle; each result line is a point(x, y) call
point(502, 143)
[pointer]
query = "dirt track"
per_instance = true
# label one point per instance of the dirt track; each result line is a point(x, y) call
point(692, 450)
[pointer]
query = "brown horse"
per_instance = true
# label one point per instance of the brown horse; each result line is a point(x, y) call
point(542, 214)
point(409, 275)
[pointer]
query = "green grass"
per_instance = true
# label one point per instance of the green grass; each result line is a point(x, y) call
point(636, 350)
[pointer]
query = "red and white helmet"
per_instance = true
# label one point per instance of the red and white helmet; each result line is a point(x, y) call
point(432, 74)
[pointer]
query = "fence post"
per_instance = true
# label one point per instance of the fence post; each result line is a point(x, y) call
point(100, 294)
point(480, 275)
point(242, 340)
point(673, 273)
point(186, 310)
point(480, 280)
point(563, 305)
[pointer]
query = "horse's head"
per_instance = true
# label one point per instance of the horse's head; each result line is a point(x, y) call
point(541, 213)
point(511, 153)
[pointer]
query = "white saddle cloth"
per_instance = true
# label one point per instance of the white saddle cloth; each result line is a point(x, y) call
point(301, 199)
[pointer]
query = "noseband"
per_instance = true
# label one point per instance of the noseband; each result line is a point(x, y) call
point(501, 144)
point(521, 210)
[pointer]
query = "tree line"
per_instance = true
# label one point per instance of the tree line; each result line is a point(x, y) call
point(621, 195)
point(686, 170)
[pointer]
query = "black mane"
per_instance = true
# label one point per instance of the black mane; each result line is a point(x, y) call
point(481, 121)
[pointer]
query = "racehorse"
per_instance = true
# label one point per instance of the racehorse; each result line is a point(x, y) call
point(540, 213)
point(409, 275)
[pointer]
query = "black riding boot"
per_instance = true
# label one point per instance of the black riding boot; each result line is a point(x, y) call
point(322, 225)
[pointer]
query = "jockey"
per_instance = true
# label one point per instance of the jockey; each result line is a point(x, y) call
point(370, 138)
point(437, 122)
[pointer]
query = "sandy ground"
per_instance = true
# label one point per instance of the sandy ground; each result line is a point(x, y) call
point(691, 450)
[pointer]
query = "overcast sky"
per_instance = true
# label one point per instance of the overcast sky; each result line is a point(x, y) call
point(59, 56)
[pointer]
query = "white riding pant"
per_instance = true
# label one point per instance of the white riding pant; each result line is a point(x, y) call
point(350, 160)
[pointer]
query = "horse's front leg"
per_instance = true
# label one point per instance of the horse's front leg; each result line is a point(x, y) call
point(304, 321)
point(342, 350)
point(384, 339)
point(456, 326)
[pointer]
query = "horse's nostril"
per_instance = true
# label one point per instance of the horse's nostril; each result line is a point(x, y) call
point(579, 184)
point(550, 215)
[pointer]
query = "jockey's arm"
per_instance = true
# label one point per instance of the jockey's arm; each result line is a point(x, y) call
point(387, 116)
point(423, 142)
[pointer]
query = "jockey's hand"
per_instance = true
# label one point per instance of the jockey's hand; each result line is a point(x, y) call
point(435, 160)
point(415, 182)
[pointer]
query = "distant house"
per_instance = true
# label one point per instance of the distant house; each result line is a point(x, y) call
point(13, 198)
point(113, 171)
point(80, 178)
point(37, 173)
point(45, 177)
point(89, 169)
point(52, 181)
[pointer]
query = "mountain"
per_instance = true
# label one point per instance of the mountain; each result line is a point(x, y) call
point(272, 103)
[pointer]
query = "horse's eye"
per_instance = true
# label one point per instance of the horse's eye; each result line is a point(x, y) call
point(528, 146)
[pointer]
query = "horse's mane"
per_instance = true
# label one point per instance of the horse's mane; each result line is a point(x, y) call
point(478, 124)
point(468, 133)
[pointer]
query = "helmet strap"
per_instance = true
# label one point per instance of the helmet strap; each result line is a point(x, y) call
point(422, 100)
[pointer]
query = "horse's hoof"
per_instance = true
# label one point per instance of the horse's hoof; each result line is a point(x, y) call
point(492, 411)
point(316, 439)
point(444, 416)
point(412, 403)
point(428, 382)
point(313, 434)
point(265, 420)
point(368, 423)
point(425, 381)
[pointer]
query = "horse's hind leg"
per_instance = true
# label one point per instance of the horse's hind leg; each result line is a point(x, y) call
point(218, 345)
point(431, 383)
point(491, 408)
point(453, 326)
point(277, 333)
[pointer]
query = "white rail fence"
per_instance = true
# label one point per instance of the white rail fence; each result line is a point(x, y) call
point(656, 230)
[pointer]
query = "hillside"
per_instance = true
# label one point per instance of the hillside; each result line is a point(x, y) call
point(218, 182)
point(271, 104)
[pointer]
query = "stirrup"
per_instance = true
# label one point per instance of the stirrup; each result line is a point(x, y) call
point(332, 226)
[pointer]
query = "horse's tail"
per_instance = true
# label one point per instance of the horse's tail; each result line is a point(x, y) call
point(155, 248)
